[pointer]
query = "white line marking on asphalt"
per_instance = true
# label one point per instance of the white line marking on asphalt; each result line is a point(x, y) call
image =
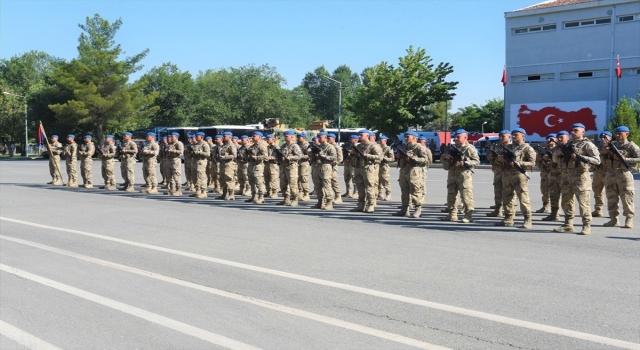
point(429, 304)
point(131, 310)
point(24, 338)
point(262, 303)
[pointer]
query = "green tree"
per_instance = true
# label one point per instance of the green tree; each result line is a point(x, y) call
point(394, 98)
point(174, 90)
point(97, 81)
point(472, 117)
point(625, 115)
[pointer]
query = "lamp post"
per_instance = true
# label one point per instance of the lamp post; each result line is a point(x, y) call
point(483, 127)
point(339, 102)
point(26, 141)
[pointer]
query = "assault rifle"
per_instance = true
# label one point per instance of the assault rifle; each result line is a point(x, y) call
point(398, 149)
point(358, 152)
point(511, 158)
point(456, 155)
point(567, 150)
point(541, 151)
point(314, 149)
point(280, 154)
point(616, 152)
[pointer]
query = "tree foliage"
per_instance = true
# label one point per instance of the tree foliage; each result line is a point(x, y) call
point(626, 115)
point(97, 81)
point(472, 117)
point(394, 98)
point(175, 95)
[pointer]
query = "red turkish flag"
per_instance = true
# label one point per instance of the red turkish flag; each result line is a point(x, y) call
point(504, 76)
point(618, 69)
point(552, 119)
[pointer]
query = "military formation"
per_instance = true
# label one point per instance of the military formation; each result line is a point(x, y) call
point(257, 167)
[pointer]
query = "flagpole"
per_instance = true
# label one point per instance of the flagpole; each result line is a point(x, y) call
point(618, 74)
point(50, 154)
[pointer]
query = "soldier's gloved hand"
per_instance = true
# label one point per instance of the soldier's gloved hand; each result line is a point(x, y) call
point(501, 159)
point(461, 164)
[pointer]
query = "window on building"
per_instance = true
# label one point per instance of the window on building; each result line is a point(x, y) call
point(603, 21)
point(585, 74)
point(533, 77)
point(626, 18)
point(587, 22)
point(534, 29)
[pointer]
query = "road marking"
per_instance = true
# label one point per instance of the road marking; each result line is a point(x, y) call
point(414, 301)
point(131, 310)
point(262, 303)
point(24, 338)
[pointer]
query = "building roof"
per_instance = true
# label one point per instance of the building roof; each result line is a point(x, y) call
point(554, 3)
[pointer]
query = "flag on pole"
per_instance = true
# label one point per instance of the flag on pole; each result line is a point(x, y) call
point(618, 69)
point(42, 136)
point(504, 76)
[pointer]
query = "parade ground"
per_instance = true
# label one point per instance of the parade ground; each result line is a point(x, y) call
point(95, 269)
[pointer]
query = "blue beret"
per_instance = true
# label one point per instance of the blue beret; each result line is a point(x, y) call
point(151, 134)
point(552, 135)
point(191, 136)
point(127, 134)
point(175, 134)
point(578, 125)
point(270, 136)
point(71, 136)
point(164, 137)
point(622, 128)
point(607, 133)
point(520, 130)
point(234, 138)
point(363, 131)
point(289, 132)
point(208, 138)
point(461, 131)
point(244, 136)
point(200, 133)
point(54, 135)
point(227, 133)
point(314, 138)
point(422, 138)
point(218, 136)
point(383, 137)
point(109, 136)
point(354, 136)
point(410, 133)
point(322, 133)
point(258, 133)
point(504, 132)
point(331, 135)
point(302, 134)
point(563, 132)
point(88, 137)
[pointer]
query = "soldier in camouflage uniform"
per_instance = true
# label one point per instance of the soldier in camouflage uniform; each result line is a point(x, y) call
point(271, 177)
point(216, 172)
point(384, 173)
point(175, 151)
point(335, 184)
point(128, 162)
point(210, 182)
point(349, 171)
point(303, 168)
point(576, 181)
point(243, 167)
point(288, 160)
point(256, 156)
point(620, 186)
point(322, 163)
point(496, 168)
point(515, 183)
point(555, 175)
point(71, 156)
point(376, 169)
point(200, 153)
point(85, 151)
point(544, 164)
point(412, 161)
point(162, 162)
point(366, 155)
point(107, 156)
point(459, 179)
point(187, 155)
point(56, 150)
point(228, 158)
point(149, 164)
point(599, 174)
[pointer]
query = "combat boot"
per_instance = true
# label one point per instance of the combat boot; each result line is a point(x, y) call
point(273, 194)
point(317, 205)
point(359, 208)
point(57, 182)
point(453, 216)
point(628, 223)
point(293, 203)
point(493, 206)
point(497, 212)
point(380, 196)
point(102, 187)
point(110, 187)
point(507, 222)
point(259, 199)
point(338, 200)
point(417, 212)
point(369, 208)
point(404, 211)
point(230, 196)
point(251, 199)
point(445, 210)
point(553, 216)
point(88, 186)
point(50, 182)
point(586, 230)
point(191, 188)
point(597, 213)
point(328, 206)
point(285, 201)
point(353, 195)
point(612, 223)
point(306, 197)
point(144, 190)
point(222, 196)
point(544, 209)
point(527, 224)
point(130, 189)
point(152, 190)
point(72, 184)
point(388, 197)
point(217, 190)
point(176, 193)
point(346, 194)
point(567, 227)
point(201, 194)
point(468, 217)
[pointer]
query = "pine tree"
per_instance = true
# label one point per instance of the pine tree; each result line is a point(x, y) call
point(625, 115)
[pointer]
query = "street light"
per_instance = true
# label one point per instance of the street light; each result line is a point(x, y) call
point(339, 103)
point(26, 141)
point(483, 126)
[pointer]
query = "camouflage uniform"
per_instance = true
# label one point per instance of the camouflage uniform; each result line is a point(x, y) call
point(335, 184)
point(411, 178)
point(243, 171)
point(257, 154)
point(54, 163)
point(228, 157)
point(459, 181)
point(149, 164)
point(376, 169)
point(497, 169)
point(576, 183)
point(187, 155)
point(545, 169)
point(162, 162)
point(215, 169)
point(200, 155)
point(108, 164)
point(128, 164)
point(515, 184)
point(194, 164)
point(175, 150)
point(366, 175)
point(322, 163)
point(271, 177)
point(71, 156)
point(597, 186)
point(289, 173)
point(620, 186)
point(554, 185)
point(349, 172)
point(85, 151)
point(303, 172)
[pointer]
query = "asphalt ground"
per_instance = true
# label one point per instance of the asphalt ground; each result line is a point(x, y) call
point(94, 269)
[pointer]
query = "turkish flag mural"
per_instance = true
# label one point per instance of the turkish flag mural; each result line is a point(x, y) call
point(541, 119)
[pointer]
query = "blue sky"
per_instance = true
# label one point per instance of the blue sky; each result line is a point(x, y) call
point(293, 36)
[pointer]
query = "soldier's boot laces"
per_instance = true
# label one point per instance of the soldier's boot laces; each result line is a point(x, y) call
point(416, 214)
point(628, 223)
point(567, 227)
point(359, 208)
point(586, 229)
point(612, 223)
point(597, 213)
point(468, 217)
point(527, 224)
point(553, 216)
point(403, 211)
